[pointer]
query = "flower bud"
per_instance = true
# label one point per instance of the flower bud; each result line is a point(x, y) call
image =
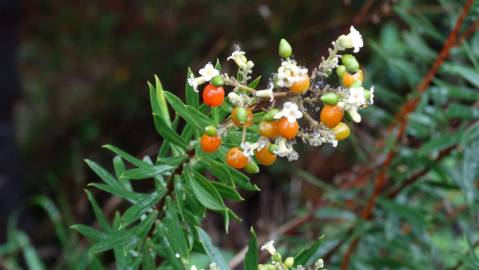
point(284, 49)
point(269, 116)
point(289, 262)
point(211, 131)
point(340, 70)
point(217, 80)
point(251, 167)
point(330, 98)
point(350, 62)
point(241, 115)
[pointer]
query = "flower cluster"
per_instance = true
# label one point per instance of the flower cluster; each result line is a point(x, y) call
point(277, 262)
point(286, 109)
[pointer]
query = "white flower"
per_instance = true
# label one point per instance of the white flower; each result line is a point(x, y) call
point(289, 73)
point(356, 96)
point(285, 149)
point(266, 93)
point(248, 148)
point(356, 39)
point(290, 111)
point(194, 82)
point(269, 246)
point(353, 112)
point(177, 255)
point(351, 40)
point(371, 96)
point(193, 267)
point(208, 72)
point(234, 98)
point(241, 61)
point(319, 264)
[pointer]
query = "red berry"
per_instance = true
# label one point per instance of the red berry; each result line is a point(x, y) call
point(286, 129)
point(236, 158)
point(213, 96)
point(210, 144)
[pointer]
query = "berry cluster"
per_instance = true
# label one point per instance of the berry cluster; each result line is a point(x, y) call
point(297, 105)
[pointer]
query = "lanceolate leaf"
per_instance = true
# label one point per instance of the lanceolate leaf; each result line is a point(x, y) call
point(310, 255)
point(168, 134)
point(147, 172)
point(89, 232)
point(213, 253)
point(135, 211)
point(251, 258)
point(131, 159)
point(204, 192)
point(98, 213)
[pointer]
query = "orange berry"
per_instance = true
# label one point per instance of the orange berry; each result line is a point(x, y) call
point(213, 96)
point(268, 129)
point(210, 144)
point(349, 79)
point(236, 121)
point(342, 131)
point(286, 129)
point(331, 115)
point(301, 86)
point(236, 158)
point(265, 157)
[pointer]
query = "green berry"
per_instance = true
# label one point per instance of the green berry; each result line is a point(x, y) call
point(289, 262)
point(273, 148)
point(269, 116)
point(367, 94)
point(350, 62)
point(340, 70)
point(284, 49)
point(211, 131)
point(241, 115)
point(330, 98)
point(217, 80)
point(251, 167)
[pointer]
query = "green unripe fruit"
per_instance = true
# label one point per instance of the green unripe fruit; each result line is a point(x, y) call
point(350, 63)
point(241, 115)
point(356, 83)
point(217, 80)
point(269, 116)
point(251, 167)
point(284, 49)
point(273, 148)
point(340, 70)
point(211, 131)
point(330, 98)
point(289, 262)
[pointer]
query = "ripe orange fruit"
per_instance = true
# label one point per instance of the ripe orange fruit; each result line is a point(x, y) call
point(236, 121)
point(213, 96)
point(210, 144)
point(301, 86)
point(342, 131)
point(268, 129)
point(349, 79)
point(331, 115)
point(264, 156)
point(286, 129)
point(236, 158)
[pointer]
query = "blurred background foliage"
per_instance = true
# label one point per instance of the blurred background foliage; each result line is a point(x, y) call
point(84, 67)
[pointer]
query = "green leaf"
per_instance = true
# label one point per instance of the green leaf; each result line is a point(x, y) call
point(160, 95)
point(168, 134)
point(138, 209)
point(254, 82)
point(200, 117)
point(120, 167)
point(251, 258)
point(133, 197)
point(204, 192)
point(181, 109)
point(104, 225)
point(103, 174)
point(114, 241)
point(226, 191)
point(469, 74)
point(89, 232)
point(413, 215)
point(175, 231)
point(30, 255)
point(131, 159)
point(147, 172)
point(213, 253)
point(242, 180)
point(309, 255)
point(218, 169)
